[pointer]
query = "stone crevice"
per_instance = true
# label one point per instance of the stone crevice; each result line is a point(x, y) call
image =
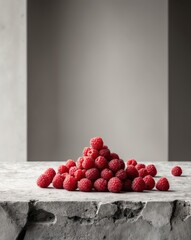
point(121, 211)
point(35, 216)
point(129, 211)
point(173, 213)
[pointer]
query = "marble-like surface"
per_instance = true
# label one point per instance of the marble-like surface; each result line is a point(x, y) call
point(19, 184)
point(29, 212)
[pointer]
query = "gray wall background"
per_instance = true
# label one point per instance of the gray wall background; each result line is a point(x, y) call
point(13, 80)
point(98, 68)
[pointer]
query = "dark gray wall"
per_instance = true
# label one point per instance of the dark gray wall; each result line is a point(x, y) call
point(179, 80)
point(97, 67)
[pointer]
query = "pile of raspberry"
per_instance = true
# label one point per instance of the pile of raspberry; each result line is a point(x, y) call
point(101, 170)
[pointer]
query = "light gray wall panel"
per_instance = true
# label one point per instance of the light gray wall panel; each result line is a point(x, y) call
point(13, 80)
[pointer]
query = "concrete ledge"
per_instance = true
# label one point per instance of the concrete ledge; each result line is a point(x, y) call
point(30, 213)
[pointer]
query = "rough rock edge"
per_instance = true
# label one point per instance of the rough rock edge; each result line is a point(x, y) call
point(123, 211)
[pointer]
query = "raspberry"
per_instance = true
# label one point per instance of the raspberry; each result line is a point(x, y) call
point(105, 153)
point(62, 169)
point(64, 175)
point(93, 153)
point(88, 163)
point(151, 169)
point(101, 162)
point(121, 174)
point(85, 151)
point(115, 185)
point(138, 184)
point(163, 184)
point(85, 185)
point(132, 162)
point(96, 143)
point(70, 163)
point(72, 170)
point(176, 171)
point(43, 181)
point(114, 156)
point(50, 172)
point(139, 166)
point(79, 174)
point(70, 183)
point(58, 181)
point(106, 174)
point(143, 172)
point(115, 165)
point(92, 174)
point(127, 185)
point(122, 164)
point(132, 172)
point(100, 185)
point(149, 182)
point(79, 162)
point(104, 147)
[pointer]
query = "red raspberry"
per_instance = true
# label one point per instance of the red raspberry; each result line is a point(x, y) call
point(114, 156)
point(127, 185)
point(163, 184)
point(143, 172)
point(122, 164)
point(50, 172)
point(84, 171)
point(85, 185)
point(151, 169)
point(101, 162)
point(64, 175)
point(149, 182)
point(104, 147)
point(72, 170)
point(85, 151)
point(96, 143)
point(105, 153)
point(93, 153)
point(70, 183)
point(79, 174)
point(70, 163)
point(88, 163)
point(132, 172)
point(92, 174)
point(115, 165)
point(138, 184)
point(121, 174)
point(43, 181)
point(132, 162)
point(139, 166)
point(58, 181)
point(79, 162)
point(100, 185)
point(115, 185)
point(106, 174)
point(62, 169)
point(176, 171)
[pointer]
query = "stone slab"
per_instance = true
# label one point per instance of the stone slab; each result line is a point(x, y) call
point(31, 213)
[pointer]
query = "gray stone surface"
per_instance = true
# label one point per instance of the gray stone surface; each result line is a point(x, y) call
point(30, 213)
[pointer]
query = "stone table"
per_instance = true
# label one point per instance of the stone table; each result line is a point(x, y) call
point(31, 213)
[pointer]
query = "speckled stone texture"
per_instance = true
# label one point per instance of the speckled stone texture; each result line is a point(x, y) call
point(30, 213)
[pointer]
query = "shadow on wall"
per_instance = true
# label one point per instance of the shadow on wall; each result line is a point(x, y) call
point(179, 80)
